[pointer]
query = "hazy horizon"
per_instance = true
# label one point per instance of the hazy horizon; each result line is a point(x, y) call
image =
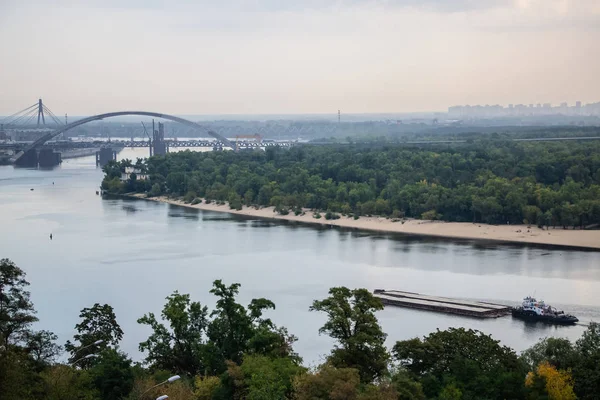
point(266, 57)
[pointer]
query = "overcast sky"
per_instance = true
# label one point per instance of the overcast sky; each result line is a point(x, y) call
point(282, 56)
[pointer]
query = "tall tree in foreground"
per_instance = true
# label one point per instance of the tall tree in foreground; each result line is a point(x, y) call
point(555, 384)
point(97, 323)
point(16, 309)
point(586, 371)
point(236, 330)
point(462, 360)
point(351, 321)
point(179, 345)
point(41, 347)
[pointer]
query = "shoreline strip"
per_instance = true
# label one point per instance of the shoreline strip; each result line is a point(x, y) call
point(502, 234)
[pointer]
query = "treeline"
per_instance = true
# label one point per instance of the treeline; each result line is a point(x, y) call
point(235, 352)
point(548, 184)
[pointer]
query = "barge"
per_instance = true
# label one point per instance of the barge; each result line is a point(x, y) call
point(442, 304)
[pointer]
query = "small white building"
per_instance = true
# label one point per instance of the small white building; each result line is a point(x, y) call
point(138, 174)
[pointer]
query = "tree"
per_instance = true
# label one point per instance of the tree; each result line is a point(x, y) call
point(558, 384)
point(351, 321)
point(156, 190)
point(207, 387)
point(235, 201)
point(558, 352)
point(235, 330)
point(97, 323)
point(586, 371)
point(41, 347)
point(262, 378)
point(328, 383)
point(180, 346)
point(471, 361)
point(112, 375)
point(62, 382)
point(18, 376)
point(406, 387)
point(16, 309)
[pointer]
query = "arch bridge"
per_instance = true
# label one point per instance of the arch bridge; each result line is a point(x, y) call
point(39, 142)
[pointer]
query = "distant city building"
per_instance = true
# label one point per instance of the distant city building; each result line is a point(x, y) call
point(125, 176)
point(521, 110)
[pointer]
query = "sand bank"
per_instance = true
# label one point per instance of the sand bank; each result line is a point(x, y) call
point(583, 239)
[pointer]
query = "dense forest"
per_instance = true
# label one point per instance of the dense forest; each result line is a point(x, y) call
point(492, 181)
point(236, 352)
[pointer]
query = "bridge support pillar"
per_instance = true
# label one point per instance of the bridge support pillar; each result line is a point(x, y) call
point(48, 158)
point(29, 159)
point(104, 156)
point(160, 147)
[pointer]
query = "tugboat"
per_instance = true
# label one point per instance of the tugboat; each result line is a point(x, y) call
point(534, 310)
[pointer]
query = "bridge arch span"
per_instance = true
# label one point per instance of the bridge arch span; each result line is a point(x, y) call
point(39, 142)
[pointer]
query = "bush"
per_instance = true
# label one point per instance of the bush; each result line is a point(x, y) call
point(156, 190)
point(235, 201)
point(397, 214)
point(356, 217)
point(281, 210)
point(431, 215)
point(316, 215)
point(207, 201)
point(331, 215)
point(189, 197)
point(197, 200)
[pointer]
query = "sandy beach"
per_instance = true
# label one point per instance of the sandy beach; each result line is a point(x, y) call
point(583, 239)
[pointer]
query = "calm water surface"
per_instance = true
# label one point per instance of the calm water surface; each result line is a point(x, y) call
point(132, 254)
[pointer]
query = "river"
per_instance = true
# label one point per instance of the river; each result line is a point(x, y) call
point(131, 254)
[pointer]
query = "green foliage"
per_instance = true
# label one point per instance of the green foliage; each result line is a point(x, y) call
point(467, 360)
point(586, 371)
point(331, 215)
point(328, 383)
point(236, 330)
point(16, 309)
point(282, 210)
point(352, 323)
point(62, 382)
point(549, 184)
point(207, 387)
point(406, 387)
point(97, 323)
point(558, 352)
point(112, 375)
point(263, 378)
point(193, 343)
point(235, 201)
point(156, 190)
point(114, 185)
point(41, 346)
point(180, 346)
point(189, 197)
point(18, 376)
point(431, 215)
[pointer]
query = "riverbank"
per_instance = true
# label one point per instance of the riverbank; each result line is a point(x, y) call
point(576, 239)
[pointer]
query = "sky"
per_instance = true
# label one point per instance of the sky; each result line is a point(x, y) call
point(293, 57)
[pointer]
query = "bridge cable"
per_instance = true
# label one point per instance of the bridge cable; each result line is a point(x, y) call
point(17, 115)
point(51, 114)
point(21, 118)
